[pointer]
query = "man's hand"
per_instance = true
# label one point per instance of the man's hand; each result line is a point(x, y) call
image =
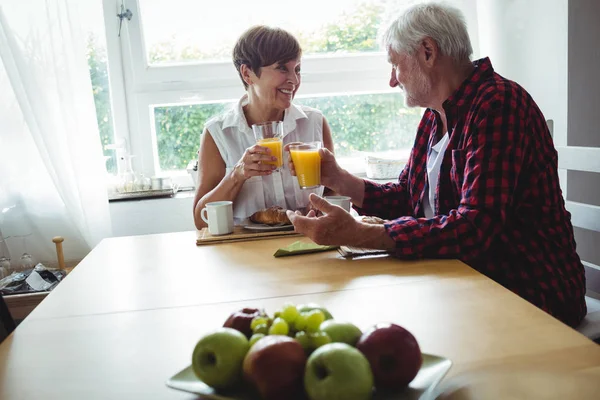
point(336, 227)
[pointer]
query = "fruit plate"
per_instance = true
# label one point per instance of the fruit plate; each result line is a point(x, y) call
point(432, 371)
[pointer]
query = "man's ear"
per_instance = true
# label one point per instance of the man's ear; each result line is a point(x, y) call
point(430, 51)
point(247, 74)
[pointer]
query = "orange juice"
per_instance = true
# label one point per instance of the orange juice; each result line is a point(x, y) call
point(276, 146)
point(308, 167)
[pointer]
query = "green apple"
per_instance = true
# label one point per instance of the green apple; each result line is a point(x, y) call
point(338, 371)
point(218, 357)
point(313, 306)
point(342, 332)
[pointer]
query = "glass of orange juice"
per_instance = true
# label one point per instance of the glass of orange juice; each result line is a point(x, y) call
point(270, 135)
point(307, 163)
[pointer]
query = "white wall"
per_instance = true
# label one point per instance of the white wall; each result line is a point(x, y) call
point(526, 41)
point(143, 217)
point(584, 69)
point(583, 103)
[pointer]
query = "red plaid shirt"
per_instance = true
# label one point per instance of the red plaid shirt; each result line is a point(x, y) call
point(498, 202)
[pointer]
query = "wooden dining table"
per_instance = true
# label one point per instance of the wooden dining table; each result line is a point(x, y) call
point(128, 316)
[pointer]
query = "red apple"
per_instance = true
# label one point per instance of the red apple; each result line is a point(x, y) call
point(275, 367)
point(240, 320)
point(393, 353)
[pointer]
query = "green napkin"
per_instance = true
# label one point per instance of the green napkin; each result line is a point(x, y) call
point(302, 248)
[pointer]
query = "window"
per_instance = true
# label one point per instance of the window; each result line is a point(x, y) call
point(97, 58)
point(365, 123)
point(97, 62)
point(177, 72)
point(174, 35)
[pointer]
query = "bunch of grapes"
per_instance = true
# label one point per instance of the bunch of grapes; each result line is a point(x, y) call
point(304, 326)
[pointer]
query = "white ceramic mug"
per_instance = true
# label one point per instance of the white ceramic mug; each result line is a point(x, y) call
point(342, 201)
point(219, 217)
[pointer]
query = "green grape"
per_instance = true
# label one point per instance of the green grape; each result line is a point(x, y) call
point(258, 320)
point(318, 339)
point(314, 320)
point(255, 338)
point(300, 322)
point(303, 339)
point(289, 313)
point(313, 306)
point(292, 326)
point(277, 314)
point(279, 327)
point(262, 328)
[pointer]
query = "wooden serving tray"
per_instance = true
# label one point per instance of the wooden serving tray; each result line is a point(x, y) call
point(239, 235)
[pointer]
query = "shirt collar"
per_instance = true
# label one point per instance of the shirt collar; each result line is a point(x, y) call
point(467, 90)
point(236, 117)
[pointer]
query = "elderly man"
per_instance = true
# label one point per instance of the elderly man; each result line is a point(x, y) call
point(481, 184)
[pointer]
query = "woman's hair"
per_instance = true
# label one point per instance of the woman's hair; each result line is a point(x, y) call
point(441, 22)
point(261, 45)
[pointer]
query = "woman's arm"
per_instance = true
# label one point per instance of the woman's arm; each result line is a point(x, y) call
point(327, 140)
point(214, 184)
point(328, 144)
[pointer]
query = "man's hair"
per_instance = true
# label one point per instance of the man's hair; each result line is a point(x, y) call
point(261, 45)
point(441, 22)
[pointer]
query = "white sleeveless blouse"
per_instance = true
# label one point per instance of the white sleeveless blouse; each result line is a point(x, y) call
point(233, 136)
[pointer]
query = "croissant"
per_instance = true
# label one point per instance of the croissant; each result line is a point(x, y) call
point(270, 216)
point(372, 220)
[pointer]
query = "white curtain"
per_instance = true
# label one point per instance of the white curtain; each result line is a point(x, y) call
point(52, 177)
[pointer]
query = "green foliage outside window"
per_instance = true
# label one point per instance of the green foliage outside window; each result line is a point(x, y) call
point(355, 32)
point(368, 123)
point(178, 130)
point(96, 57)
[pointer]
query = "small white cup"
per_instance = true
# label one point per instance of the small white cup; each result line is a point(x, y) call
point(342, 201)
point(219, 217)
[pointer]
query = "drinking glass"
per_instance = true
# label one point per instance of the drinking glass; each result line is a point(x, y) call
point(26, 260)
point(307, 163)
point(270, 135)
point(5, 269)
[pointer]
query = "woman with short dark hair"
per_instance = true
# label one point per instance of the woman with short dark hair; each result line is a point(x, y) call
point(231, 165)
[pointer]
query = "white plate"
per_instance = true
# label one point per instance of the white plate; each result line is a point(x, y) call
point(268, 228)
point(432, 371)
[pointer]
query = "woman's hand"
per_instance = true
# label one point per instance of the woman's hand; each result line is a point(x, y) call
point(330, 170)
point(253, 162)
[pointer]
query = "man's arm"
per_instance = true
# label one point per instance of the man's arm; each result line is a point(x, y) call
point(387, 200)
point(493, 158)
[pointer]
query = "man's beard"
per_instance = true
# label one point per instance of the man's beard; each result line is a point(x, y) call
point(420, 88)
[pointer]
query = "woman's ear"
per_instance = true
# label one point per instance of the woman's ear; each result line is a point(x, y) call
point(247, 74)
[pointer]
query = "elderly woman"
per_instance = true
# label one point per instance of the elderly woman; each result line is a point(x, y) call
point(231, 165)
